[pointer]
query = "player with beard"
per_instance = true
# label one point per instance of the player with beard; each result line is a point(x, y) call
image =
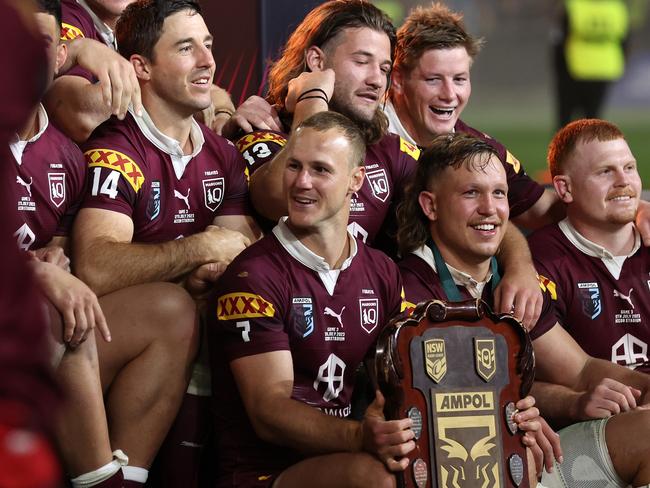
point(595, 256)
point(450, 225)
point(339, 58)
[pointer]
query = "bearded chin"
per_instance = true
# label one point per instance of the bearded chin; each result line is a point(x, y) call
point(373, 129)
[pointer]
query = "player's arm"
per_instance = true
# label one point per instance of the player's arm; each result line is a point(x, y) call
point(519, 289)
point(266, 183)
point(594, 387)
point(265, 383)
point(106, 259)
point(548, 209)
point(77, 105)
point(643, 221)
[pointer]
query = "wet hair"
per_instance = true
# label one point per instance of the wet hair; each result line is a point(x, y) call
point(319, 27)
point(434, 27)
point(568, 137)
point(446, 151)
point(140, 26)
point(52, 7)
point(324, 121)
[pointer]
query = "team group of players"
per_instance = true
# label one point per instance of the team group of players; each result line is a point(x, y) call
point(161, 219)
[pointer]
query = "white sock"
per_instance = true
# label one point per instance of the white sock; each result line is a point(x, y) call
point(95, 477)
point(134, 473)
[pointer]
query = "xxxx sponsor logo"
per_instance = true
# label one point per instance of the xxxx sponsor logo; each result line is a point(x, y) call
point(250, 139)
point(243, 306)
point(118, 161)
point(69, 32)
point(409, 149)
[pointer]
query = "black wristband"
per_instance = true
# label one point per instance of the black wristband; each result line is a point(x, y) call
point(305, 95)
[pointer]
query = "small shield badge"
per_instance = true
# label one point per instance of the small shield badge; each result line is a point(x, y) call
point(484, 353)
point(435, 359)
point(213, 192)
point(56, 182)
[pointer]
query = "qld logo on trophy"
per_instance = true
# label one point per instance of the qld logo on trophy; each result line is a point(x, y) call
point(435, 359)
point(484, 354)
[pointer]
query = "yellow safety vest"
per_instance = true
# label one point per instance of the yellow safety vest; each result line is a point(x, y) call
point(597, 29)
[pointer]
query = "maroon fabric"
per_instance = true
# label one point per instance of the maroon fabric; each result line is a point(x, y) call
point(388, 168)
point(609, 318)
point(214, 182)
point(79, 19)
point(296, 313)
point(523, 191)
point(421, 283)
point(27, 388)
point(46, 188)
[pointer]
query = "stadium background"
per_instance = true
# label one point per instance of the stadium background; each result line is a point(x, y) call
point(512, 86)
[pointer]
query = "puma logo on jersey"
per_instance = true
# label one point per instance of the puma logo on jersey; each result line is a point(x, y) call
point(28, 186)
point(185, 198)
point(627, 298)
point(332, 313)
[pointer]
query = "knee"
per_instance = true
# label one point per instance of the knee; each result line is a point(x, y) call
point(372, 473)
point(175, 314)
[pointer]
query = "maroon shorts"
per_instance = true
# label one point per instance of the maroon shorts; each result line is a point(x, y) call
point(248, 479)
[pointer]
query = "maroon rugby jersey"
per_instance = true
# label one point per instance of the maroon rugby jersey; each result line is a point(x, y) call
point(523, 191)
point(608, 317)
point(76, 22)
point(421, 283)
point(46, 186)
point(389, 163)
point(268, 300)
point(130, 174)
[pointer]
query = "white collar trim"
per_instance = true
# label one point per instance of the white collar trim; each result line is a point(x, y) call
point(614, 264)
point(313, 261)
point(104, 31)
point(475, 288)
point(18, 146)
point(169, 145)
point(395, 124)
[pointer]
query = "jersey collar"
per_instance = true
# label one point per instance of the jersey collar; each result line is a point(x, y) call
point(475, 288)
point(614, 264)
point(105, 32)
point(313, 261)
point(169, 145)
point(18, 146)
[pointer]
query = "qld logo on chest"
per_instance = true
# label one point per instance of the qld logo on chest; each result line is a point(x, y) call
point(213, 190)
point(590, 299)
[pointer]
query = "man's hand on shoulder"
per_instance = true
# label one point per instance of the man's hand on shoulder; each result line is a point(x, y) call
point(76, 303)
point(519, 293)
point(199, 281)
point(254, 114)
point(389, 440)
point(116, 75)
point(643, 221)
point(219, 244)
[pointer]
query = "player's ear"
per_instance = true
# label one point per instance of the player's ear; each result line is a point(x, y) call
point(356, 179)
point(61, 56)
point(396, 81)
point(142, 66)
point(562, 184)
point(315, 59)
point(428, 204)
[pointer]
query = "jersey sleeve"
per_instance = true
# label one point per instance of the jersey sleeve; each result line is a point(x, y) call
point(115, 180)
point(236, 200)
point(260, 147)
point(548, 317)
point(249, 312)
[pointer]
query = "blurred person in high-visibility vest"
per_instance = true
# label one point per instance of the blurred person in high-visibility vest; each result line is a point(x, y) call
point(589, 55)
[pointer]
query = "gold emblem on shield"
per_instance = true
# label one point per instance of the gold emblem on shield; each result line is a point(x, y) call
point(485, 356)
point(435, 359)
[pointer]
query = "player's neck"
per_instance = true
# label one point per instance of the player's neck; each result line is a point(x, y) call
point(478, 269)
point(618, 239)
point(30, 129)
point(330, 243)
point(168, 121)
point(402, 112)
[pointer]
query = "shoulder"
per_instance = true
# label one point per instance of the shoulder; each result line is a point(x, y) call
point(75, 21)
point(549, 242)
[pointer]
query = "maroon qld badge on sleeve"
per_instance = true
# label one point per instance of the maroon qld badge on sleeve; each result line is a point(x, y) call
point(457, 370)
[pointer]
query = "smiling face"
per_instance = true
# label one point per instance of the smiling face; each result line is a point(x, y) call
point(360, 58)
point(601, 184)
point(182, 68)
point(319, 179)
point(56, 52)
point(430, 98)
point(468, 212)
